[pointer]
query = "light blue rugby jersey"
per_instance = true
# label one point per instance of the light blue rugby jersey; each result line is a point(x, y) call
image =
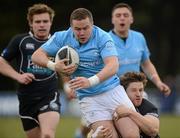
point(132, 52)
point(91, 55)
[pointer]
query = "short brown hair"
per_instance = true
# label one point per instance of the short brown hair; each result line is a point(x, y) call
point(122, 5)
point(38, 9)
point(130, 77)
point(80, 14)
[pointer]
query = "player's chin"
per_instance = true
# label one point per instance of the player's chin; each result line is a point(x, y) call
point(42, 35)
point(83, 41)
point(137, 103)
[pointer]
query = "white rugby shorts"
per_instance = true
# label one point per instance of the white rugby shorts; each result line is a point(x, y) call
point(101, 107)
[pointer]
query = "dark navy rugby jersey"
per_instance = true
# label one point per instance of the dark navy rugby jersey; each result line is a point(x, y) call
point(21, 48)
point(147, 108)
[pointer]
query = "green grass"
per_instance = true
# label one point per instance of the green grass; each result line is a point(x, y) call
point(170, 126)
point(11, 127)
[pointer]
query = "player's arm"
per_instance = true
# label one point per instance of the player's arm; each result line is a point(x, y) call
point(7, 70)
point(150, 70)
point(149, 124)
point(110, 68)
point(69, 92)
point(40, 57)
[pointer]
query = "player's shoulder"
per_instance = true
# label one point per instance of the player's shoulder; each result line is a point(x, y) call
point(147, 103)
point(101, 34)
point(111, 33)
point(147, 107)
point(63, 33)
point(18, 37)
point(22, 35)
point(136, 33)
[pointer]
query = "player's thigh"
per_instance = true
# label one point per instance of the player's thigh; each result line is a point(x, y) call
point(127, 127)
point(48, 121)
point(33, 133)
point(106, 124)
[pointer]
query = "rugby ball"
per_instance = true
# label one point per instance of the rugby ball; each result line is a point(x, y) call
point(67, 52)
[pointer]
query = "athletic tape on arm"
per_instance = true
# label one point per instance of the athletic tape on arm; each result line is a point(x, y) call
point(94, 80)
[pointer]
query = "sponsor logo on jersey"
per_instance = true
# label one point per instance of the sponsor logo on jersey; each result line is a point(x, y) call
point(30, 46)
point(35, 69)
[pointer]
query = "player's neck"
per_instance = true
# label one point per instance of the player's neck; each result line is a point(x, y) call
point(121, 34)
point(40, 37)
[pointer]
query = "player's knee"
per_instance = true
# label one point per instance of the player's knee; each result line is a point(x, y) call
point(132, 134)
point(85, 130)
point(47, 135)
point(153, 131)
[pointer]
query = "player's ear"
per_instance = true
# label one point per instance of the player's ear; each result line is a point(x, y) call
point(132, 20)
point(30, 24)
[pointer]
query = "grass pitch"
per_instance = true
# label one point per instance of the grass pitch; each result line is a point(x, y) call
point(11, 127)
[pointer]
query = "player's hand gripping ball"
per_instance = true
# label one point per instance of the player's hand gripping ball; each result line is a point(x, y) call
point(67, 52)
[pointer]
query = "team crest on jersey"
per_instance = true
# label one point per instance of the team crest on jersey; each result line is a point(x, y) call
point(95, 52)
point(30, 46)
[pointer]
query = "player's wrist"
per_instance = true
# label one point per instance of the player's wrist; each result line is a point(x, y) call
point(51, 65)
point(94, 80)
point(66, 87)
point(153, 76)
point(158, 83)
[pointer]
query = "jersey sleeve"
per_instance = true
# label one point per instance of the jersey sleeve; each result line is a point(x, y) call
point(107, 47)
point(53, 44)
point(12, 49)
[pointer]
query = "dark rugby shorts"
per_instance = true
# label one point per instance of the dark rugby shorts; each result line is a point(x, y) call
point(30, 110)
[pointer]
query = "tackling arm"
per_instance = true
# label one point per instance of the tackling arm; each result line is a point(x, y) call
point(149, 124)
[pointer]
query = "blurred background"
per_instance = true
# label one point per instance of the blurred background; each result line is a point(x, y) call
point(156, 19)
